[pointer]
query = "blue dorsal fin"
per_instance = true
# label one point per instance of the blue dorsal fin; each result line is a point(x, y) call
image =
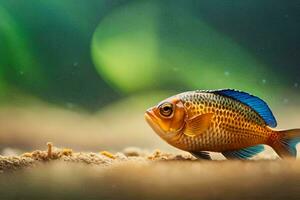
point(257, 104)
point(245, 153)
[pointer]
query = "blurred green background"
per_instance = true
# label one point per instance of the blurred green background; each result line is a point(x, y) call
point(81, 73)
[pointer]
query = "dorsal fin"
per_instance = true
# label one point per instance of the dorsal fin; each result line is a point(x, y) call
point(257, 104)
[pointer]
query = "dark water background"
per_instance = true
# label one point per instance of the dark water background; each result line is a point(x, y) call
point(82, 73)
point(57, 51)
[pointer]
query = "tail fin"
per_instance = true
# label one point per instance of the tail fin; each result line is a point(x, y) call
point(285, 144)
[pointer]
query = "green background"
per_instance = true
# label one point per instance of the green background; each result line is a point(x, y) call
point(90, 53)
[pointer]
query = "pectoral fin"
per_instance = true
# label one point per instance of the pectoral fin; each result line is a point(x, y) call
point(198, 124)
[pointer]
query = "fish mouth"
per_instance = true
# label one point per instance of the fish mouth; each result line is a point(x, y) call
point(149, 114)
point(152, 121)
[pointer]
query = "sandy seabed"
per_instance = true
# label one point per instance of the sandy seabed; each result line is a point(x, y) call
point(134, 174)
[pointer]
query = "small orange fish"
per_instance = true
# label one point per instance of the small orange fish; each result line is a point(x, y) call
point(231, 122)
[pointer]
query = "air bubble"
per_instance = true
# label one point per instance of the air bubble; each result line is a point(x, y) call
point(296, 85)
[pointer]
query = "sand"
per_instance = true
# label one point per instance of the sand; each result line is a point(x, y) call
point(135, 174)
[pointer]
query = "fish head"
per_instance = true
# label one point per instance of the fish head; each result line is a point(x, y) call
point(168, 117)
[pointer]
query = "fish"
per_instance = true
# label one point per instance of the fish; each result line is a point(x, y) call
point(232, 122)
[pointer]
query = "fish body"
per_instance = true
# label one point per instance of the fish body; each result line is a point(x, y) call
point(234, 123)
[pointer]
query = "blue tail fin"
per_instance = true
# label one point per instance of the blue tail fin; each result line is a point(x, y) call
point(286, 146)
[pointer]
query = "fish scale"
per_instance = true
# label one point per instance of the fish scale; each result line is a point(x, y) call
point(234, 126)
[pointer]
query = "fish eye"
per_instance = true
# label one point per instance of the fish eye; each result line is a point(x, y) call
point(166, 109)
